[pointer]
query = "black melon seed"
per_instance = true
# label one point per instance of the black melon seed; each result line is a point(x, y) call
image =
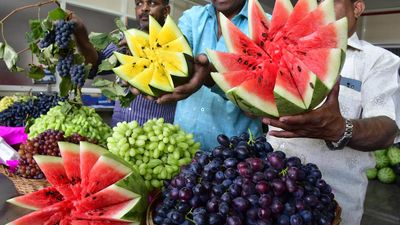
point(264, 34)
point(158, 45)
point(246, 62)
point(240, 60)
point(142, 47)
point(94, 198)
point(145, 66)
point(299, 68)
point(244, 51)
point(254, 68)
point(312, 85)
point(259, 54)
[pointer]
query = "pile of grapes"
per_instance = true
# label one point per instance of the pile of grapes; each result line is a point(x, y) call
point(17, 114)
point(61, 36)
point(8, 101)
point(156, 150)
point(243, 181)
point(82, 120)
point(44, 144)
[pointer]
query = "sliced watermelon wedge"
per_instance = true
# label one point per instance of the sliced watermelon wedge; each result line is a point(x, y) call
point(38, 199)
point(280, 15)
point(53, 168)
point(259, 28)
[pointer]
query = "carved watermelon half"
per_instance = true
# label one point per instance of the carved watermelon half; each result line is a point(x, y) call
point(288, 64)
point(89, 186)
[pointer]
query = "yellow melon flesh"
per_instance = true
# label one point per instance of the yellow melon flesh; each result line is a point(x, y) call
point(128, 71)
point(176, 59)
point(154, 30)
point(161, 80)
point(169, 32)
point(178, 45)
point(141, 81)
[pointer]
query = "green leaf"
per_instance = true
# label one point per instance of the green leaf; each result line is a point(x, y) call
point(99, 40)
point(66, 107)
point(10, 57)
point(47, 25)
point(28, 123)
point(108, 92)
point(126, 100)
point(100, 82)
point(65, 86)
point(57, 14)
point(108, 64)
point(36, 29)
point(120, 91)
point(79, 59)
point(36, 72)
point(116, 38)
point(34, 48)
point(121, 26)
point(2, 45)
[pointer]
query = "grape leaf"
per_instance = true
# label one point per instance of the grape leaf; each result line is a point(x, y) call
point(57, 14)
point(99, 40)
point(121, 26)
point(65, 86)
point(108, 64)
point(100, 82)
point(108, 92)
point(126, 100)
point(36, 72)
point(34, 48)
point(2, 45)
point(36, 29)
point(10, 57)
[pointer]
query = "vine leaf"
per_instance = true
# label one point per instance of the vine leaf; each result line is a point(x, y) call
point(10, 58)
point(108, 64)
point(36, 72)
point(57, 14)
point(121, 26)
point(99, 82)
point(65, 86)
point(36, 30)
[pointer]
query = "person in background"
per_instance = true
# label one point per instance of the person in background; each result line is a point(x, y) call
point(205, 111)
point(141, 109)
point(358, 118)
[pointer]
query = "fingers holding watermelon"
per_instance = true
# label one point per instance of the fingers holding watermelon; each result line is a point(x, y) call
point(325, 122)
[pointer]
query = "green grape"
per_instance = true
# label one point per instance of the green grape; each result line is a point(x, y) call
point(157, 149)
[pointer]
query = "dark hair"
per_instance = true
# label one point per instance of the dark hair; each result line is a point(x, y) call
point(165, 2)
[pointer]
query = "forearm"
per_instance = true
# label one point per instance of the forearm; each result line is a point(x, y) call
point(373, 133)
point(86, 48)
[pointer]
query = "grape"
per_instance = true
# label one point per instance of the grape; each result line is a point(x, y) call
point(78, 75)
point(63, 32)
point(8, 101)
point(243, 181)
point(18, 114)
point(161, 149)
point(82, 120)
point(64, 65)
point(48, 39)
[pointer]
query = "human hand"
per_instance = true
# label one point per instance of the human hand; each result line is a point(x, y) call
point(324, 123)
point(201, 75)
point(79, 26)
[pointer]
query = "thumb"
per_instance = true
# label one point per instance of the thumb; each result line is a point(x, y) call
point(334, 94)
point(201, 59)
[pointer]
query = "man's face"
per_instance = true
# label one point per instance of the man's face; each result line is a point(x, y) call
point(228, 5)
point(155, 8)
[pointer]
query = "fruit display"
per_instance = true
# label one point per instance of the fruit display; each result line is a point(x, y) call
point(156, 150)
point(287, 65)
point(78, 119)
point(160, 61)
point(387, 168)
point(89, 186)
point(8, 101)
point(243, 181)
point(17, 114)
point(44, 144)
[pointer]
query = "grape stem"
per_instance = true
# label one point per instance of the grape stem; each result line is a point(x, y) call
point(37, 5)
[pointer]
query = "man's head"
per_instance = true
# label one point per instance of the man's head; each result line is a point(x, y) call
point(159, 9)
point(228, 7)
point(352, 9)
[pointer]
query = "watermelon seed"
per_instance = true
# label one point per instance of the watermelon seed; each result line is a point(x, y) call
point(240, 60)
point(158, 45)
point(100, 214)
point(167, 46)
point(142, 47)
point(312, 85)
point(299, 68)
point(90, 214)
point(145, 67)
point(94, 198)
point(261, 44)
point(259, 67)
point(62, 176)
point(254, 68)
point(87, 195)
point(259, 54)
point(246, 62)
point(244, 51)
point(264, 35)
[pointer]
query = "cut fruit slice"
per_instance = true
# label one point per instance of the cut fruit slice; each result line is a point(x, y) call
point(227, 81)
point(129, 71)
point(70, 154)
point(53, 168)
point(154, 30)
point(259, 25)
point(168, 33)
point(178, 45)
point(301, 10)
point(142, 80)
point(38, 199)
point(225, 62)
point(161, 80)
point(100, 222)
point(177, 59)
point(280, 15)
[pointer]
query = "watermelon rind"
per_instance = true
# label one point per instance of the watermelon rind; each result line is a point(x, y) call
point(39, 199)
point(320, 92)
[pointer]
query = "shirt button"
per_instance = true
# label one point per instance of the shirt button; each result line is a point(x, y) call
point(130, 109)
point(202, 109)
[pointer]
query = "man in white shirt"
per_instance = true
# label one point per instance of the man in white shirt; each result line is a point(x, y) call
point(361, 117)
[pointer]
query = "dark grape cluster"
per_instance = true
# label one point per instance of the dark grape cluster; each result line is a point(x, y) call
point(48, 39)
point(78, 75)
point(64, 65)
point(243, 181)
point(17, 114)
point(44, 144)
point(63, 31)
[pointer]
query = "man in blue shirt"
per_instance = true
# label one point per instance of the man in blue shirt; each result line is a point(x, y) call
point(141, 109)
point(207, 113)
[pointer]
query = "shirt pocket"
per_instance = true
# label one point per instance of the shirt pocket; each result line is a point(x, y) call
point(350, 102)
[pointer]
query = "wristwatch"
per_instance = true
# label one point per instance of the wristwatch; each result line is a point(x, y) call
point(348, 134)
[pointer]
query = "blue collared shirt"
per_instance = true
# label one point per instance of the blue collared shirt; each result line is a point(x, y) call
point(208, 113)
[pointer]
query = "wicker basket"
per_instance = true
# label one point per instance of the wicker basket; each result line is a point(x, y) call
point(23, 185)
point(156, 200)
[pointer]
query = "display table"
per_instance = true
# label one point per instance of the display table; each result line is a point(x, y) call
point(381, 205)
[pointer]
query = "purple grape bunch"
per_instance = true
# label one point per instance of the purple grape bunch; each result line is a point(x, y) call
point(78, 75)
point(63, 32)
point(64, 65)
point(48, 39)
point(243, 181)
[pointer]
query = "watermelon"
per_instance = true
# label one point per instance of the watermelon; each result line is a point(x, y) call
point(287, 65)
point(89, 186)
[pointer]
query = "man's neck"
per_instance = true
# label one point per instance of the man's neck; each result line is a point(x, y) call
point(232, 13)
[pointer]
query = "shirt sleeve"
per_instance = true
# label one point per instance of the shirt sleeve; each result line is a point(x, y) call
point(185, 24)
point(381, 93)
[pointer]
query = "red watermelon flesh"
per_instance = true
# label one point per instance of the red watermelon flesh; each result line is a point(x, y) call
point(301, 43)
point(39, 199)
point(99, 222)
point(59, 205)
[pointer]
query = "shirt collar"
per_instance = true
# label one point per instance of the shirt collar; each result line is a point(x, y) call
point(355, 42)
point(243, 12)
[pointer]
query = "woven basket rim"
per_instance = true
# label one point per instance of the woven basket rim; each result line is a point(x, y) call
point(23, 185)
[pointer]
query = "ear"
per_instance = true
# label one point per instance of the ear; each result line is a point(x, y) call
point(359, 7)
point(167, 10)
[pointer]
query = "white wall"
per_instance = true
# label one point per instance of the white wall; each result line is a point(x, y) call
point(381, 29)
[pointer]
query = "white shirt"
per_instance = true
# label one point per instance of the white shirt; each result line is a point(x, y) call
point(369, 87)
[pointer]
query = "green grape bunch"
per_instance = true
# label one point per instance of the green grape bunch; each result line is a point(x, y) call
point(82, 120)
point(157, 149)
